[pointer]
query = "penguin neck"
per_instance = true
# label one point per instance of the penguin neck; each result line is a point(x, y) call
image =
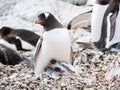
point(52, 25)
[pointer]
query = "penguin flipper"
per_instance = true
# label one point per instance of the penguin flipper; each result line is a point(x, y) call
point(37, 49)
point(79, 19)
point(113, 25)
point(18, 45)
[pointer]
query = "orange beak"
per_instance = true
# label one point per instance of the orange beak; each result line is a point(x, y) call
point(49, 64)
point(38, 21)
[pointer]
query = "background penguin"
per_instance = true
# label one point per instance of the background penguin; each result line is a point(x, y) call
point(55, 43)
point(112, 17)
point(19, 39)
point(9, 56)
point(98, 12)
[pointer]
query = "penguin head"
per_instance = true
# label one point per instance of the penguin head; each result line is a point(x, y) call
point(52, 62)
point(58, 69)
point(44, 18)
point(7, 35)
point(48, 21)
point(5, 31)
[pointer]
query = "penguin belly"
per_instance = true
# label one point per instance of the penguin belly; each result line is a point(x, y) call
point(116, 37)
point(56, 45)
point(97, 20)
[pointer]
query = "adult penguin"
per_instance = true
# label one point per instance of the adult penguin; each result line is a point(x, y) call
point(55, 44)
point(112, 16)
point(99, 9)
point(18, 39)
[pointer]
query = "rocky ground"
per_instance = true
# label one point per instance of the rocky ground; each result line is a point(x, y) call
point(91, 66)
point(95, 70)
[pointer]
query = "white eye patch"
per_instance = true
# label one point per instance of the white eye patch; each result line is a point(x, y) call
point(46, 14)
point(17, 37)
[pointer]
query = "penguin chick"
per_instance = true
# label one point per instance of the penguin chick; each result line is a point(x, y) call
point(53, 68)
point(18, 39)
point(52, 62)
point(55, 43)
point(60, 68)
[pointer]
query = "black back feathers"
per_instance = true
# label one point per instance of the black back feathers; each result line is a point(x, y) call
point(9, 56)
point(18, 37)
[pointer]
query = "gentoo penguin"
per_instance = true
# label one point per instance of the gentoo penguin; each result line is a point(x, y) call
point(9, 56)
point(97, 25)
point(112, 17)
point(84, 17)
point(55, 43)
point(18, 39)
point(60, 68)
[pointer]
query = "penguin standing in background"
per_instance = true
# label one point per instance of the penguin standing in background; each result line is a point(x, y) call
point(112, 17)
point(9, 56)
point(55, 44)
point(97, 25)
point(18, 39)
point(110, 27)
